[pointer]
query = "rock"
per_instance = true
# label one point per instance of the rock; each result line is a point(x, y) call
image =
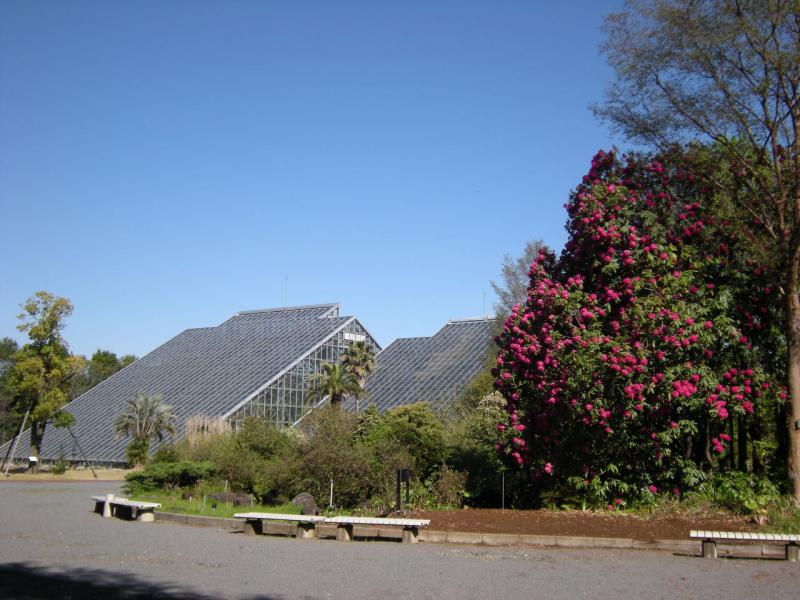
point(307, 504)
point(235, 498)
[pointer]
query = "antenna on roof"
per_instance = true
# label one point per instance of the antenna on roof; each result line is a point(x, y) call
point(484, 304)
point(286, 289)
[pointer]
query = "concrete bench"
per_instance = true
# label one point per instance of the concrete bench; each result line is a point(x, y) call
point(709, 539)
point(109, 505)
point(301, 526)
point(410, 527)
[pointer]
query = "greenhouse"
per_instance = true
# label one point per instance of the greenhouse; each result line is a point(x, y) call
point(257, 363)
point(434, 369)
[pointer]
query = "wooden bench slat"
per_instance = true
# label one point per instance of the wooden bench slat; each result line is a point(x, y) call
point(279, 517)
point(740, 535)
point(379, 521)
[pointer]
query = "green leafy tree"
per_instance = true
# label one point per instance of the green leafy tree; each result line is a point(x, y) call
point(359, 362)
point(334, 382)
point(727, 71)
point(9, 417)
point(40, 376)
point(100, 367)
point(513, 287)
point(416, 429)
point(146, 417)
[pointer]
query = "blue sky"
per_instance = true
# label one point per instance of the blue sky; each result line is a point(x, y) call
point(165, 164)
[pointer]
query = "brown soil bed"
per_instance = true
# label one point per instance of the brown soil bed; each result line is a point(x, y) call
point(579, 523)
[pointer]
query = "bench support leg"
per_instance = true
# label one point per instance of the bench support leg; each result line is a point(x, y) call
point(709, 549)
point(253, 527)
point(306, 530)
point(145, 516)
point(344, 533)
point(793, 552)
point(410, 535)
point(107, 510)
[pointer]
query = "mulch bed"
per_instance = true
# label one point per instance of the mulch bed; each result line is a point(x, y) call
point(579, 523)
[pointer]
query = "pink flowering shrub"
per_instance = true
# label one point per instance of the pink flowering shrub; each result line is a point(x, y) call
point(637, 349)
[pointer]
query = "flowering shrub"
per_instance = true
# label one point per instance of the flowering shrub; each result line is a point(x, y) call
point(637, 349)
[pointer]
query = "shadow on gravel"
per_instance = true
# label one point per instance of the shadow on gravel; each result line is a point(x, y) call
point(23, 581)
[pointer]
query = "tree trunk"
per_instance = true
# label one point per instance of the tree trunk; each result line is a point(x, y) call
point(37, 434)
point(793, 369)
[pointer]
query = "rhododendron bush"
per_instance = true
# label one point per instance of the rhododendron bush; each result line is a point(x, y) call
point(645, 356)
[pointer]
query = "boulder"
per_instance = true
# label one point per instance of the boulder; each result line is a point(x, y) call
point(307, 504)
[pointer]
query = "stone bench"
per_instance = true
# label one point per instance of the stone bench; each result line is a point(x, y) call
point(709, 539)
point(109, 505)
point(301, 526)
point(410, 527)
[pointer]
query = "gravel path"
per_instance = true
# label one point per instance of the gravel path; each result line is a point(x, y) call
point(53, 546)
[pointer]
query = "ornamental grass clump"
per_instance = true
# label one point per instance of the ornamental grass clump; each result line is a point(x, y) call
point(646, 356)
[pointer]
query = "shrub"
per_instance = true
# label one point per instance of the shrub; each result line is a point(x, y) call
point(165, 453)
point(642, 355)
point(329, 451)
point(739, 492)
point(60, 465)
point(170, 475)
point(415, 429)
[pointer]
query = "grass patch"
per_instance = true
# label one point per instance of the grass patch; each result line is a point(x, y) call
point(172, 502)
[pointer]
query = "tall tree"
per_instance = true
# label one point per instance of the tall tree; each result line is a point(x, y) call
point(100, 367)
point(9, 418)
point(40, 376)
point(726, 71)
point(335, 383)
point(145, 418)
point(359, 362)
point(513, 287)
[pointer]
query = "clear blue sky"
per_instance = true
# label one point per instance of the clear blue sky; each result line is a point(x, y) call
point(164, 164)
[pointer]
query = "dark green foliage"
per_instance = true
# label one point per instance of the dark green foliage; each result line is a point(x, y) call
point(60, 466)
point(170, 475)
point(10, 415)
point(417, 430)
point(100, 367)
point(136, 453)
point(739, 492)
point(165, 453)
point(471, 446)
point(330, 450)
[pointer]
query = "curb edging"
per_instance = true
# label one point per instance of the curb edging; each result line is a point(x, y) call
point(687, 547)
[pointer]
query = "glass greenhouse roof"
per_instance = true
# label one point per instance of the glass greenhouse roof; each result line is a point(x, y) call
point(209, 371)
point(432, 369)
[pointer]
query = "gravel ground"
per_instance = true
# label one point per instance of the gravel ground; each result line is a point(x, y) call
point(53, 546)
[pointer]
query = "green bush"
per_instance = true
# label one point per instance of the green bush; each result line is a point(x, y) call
point(330, 451)
point(137, 452)
point(739, 492)
point(417, 431)
point(60, 465)
point(165, 453)
point(170, 475)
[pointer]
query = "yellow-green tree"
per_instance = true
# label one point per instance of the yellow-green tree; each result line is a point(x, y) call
point(40, 376)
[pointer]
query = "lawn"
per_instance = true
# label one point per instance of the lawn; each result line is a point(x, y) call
point(173, 502)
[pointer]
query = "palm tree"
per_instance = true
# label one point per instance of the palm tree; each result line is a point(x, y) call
point(144, 418)
point(359, 362)
point(334, 382)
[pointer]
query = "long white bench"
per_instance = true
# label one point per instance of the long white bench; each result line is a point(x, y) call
point(410, 527)
point(303, 526)
point(709, 539)
point(257, 523)
point(109, 504)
